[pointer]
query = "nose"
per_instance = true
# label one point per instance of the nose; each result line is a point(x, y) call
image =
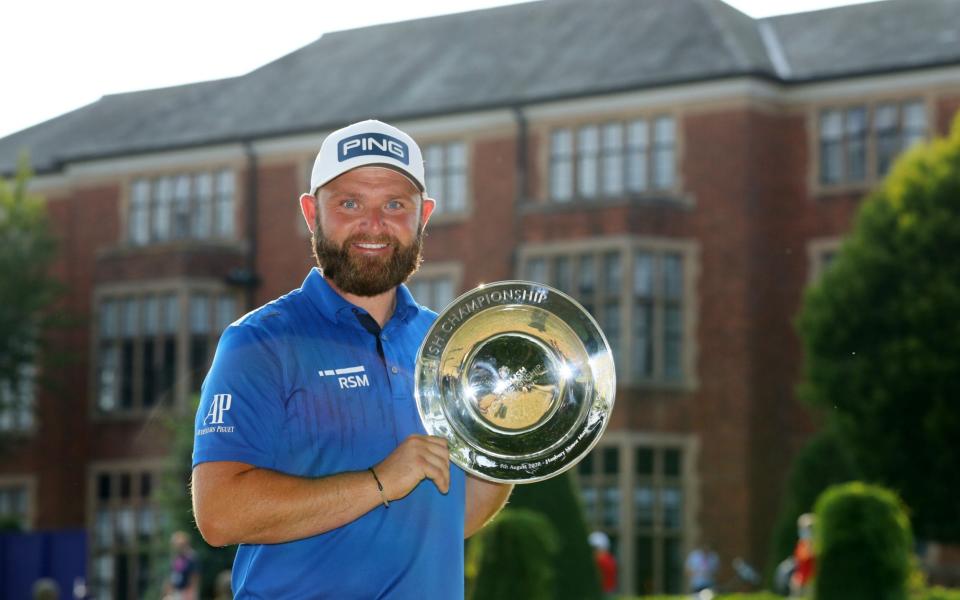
point(373, 220)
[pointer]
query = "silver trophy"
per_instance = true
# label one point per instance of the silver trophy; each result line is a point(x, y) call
point(520, 380)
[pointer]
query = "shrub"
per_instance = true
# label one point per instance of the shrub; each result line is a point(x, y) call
point(862, 541)
point(512, 558)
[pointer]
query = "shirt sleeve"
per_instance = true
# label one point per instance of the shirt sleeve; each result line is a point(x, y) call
point(241, 411)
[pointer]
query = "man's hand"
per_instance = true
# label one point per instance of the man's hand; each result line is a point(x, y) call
point(418, 457)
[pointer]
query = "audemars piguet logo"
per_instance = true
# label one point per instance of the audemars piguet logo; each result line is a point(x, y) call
point(221, 404)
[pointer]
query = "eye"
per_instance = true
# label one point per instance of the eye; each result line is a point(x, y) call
point(395, 204)
point(349, 203)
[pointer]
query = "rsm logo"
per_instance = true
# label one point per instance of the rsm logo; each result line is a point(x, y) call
point(353, 381)
point(348, 378)
point(377, 144)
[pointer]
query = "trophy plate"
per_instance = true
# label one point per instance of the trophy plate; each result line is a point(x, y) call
point(519, 378)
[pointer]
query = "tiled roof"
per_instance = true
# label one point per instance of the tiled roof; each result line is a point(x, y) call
point(499, 57)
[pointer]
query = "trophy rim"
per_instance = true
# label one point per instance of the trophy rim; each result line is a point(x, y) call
point(600, 399)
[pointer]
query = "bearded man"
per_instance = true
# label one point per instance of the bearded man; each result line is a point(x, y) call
point(308, 451)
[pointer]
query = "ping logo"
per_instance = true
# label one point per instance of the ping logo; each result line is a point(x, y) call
point(221, 404)
point(350, 377)
point(378, 144)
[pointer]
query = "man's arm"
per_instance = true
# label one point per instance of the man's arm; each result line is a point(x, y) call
point(236, 503)
point(484, 500)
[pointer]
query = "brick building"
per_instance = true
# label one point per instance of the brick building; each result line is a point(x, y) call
point(680, 168)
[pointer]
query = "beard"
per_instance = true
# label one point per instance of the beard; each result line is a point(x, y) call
point(366, 275)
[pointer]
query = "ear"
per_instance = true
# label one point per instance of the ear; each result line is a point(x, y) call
point(308, 206)
point(426, 209)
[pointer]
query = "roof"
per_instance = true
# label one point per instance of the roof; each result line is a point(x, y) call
point(496, 58)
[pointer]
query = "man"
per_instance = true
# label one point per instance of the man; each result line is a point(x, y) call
point(701, 567)
point(309, 451)
point(184, 580)
point(606, 563)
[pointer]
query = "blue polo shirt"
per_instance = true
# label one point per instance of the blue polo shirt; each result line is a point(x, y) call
point(299, 386)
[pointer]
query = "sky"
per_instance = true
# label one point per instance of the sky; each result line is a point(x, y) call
point(59, 55)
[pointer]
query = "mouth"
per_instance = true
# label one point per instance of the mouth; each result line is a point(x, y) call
point(371, 248)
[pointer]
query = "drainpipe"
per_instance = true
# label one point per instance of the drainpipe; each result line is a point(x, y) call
point(522, 189)
point(246, 276)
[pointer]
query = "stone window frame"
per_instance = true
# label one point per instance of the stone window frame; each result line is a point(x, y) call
point(548, 130)
point(28, 485)
point(130, 206)
point(628, 247)
point(443, 211)
point(143, 511)
point(870, 106)
point(18, 403)
point(184, 380)
point(451, 271)
point(820, 251)
point(621, 485)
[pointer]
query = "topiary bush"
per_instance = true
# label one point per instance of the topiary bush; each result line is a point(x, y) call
point(862, 542)
point(512, 557)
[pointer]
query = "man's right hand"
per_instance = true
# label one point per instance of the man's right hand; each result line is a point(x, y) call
point(416, 458)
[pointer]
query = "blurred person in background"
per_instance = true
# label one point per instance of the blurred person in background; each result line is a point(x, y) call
point(184, 580)
point(701, 566)
point(606, 563)
point(803, 558)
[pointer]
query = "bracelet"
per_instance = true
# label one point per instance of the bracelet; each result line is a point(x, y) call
point(379, 487)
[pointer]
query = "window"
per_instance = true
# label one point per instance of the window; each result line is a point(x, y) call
point(124, 531)
point(17, 399)
point(849, 137)
point(637, 292)
point(820, 254)
point(182, 206)
point(635, 491)
point(139, 343)
point(612, 159)
point(15, 504)
point(446, 172)
point(433, 292)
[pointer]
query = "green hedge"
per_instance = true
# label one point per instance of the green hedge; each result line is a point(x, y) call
point(739, 596)
point(938, 593)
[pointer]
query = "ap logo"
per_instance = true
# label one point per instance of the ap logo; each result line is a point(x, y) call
point(221, 404)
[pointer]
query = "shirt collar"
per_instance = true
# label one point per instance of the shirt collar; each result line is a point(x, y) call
point(333, 306)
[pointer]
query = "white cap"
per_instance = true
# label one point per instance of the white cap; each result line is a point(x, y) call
point(367, 143)
point(599, 539)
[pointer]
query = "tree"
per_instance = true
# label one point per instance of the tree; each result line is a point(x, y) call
point(881, 335)
point(28, 291)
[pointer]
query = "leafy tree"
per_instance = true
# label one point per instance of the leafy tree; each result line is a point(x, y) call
point(881, 336)
point(28, 291)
